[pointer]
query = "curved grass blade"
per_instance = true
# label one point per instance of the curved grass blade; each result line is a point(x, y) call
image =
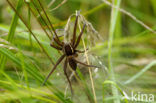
point(113, 83)
point(137, 75)
point(11, 33)
point(31, 31)
point(34, 73)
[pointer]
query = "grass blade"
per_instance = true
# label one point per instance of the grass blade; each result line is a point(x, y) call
point(114, 15)
point(11, 33)
point(147, 67)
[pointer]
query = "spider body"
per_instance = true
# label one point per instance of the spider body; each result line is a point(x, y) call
point(69, 52)
point(68, 49)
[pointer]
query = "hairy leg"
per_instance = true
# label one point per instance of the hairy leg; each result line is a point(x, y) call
point(57, 39)
point(55, 46)
point(57, 63)
point(74, 32)
point(65, 72)
point(79, 38)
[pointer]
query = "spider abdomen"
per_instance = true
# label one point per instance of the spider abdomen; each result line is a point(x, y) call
point(68, 50)
point(72, 64)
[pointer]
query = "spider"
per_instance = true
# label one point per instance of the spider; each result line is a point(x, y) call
point(69, 49)
point(70, 53)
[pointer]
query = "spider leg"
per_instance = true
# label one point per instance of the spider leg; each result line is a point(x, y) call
point(78, 40)
point(51, 26)
point(55, 46)
point(74, 32)
point(57, 63)
point(65, 72)
point(85, 64)
point(57, 41)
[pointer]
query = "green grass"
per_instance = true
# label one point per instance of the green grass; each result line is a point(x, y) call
point(11, 33)
point(114, 15)
point(125, 52)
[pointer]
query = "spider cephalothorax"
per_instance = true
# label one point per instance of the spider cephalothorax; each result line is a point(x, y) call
point(69, 51)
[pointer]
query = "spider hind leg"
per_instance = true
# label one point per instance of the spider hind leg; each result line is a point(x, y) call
point(65, 72)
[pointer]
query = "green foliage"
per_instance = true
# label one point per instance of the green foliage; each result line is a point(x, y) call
point(125, 47)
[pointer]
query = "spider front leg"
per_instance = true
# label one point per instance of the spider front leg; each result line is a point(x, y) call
point(57, 63)
point(53, 45)
point(74, 32)
point(65, 72)
point(79, 38)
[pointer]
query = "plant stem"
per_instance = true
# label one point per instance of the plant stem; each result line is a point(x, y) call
point(90, 73)
point(114, 14)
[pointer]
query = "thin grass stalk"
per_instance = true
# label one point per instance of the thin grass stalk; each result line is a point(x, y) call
point(49, 22)
point(83, 83)
point(29, 24)
point(90, 72)
point(114, 14)
point(137, 75)
point(131, 16)
point(38, 19)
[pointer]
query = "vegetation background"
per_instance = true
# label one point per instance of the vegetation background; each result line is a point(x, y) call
point(126, 52)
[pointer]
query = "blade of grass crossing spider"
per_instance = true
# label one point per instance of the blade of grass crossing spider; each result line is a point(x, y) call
point(29, 24)
point(86, 88)
point(48, 20)
point(39, 9)
point(114, 14)
point(11, 32)
point(34, 6)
